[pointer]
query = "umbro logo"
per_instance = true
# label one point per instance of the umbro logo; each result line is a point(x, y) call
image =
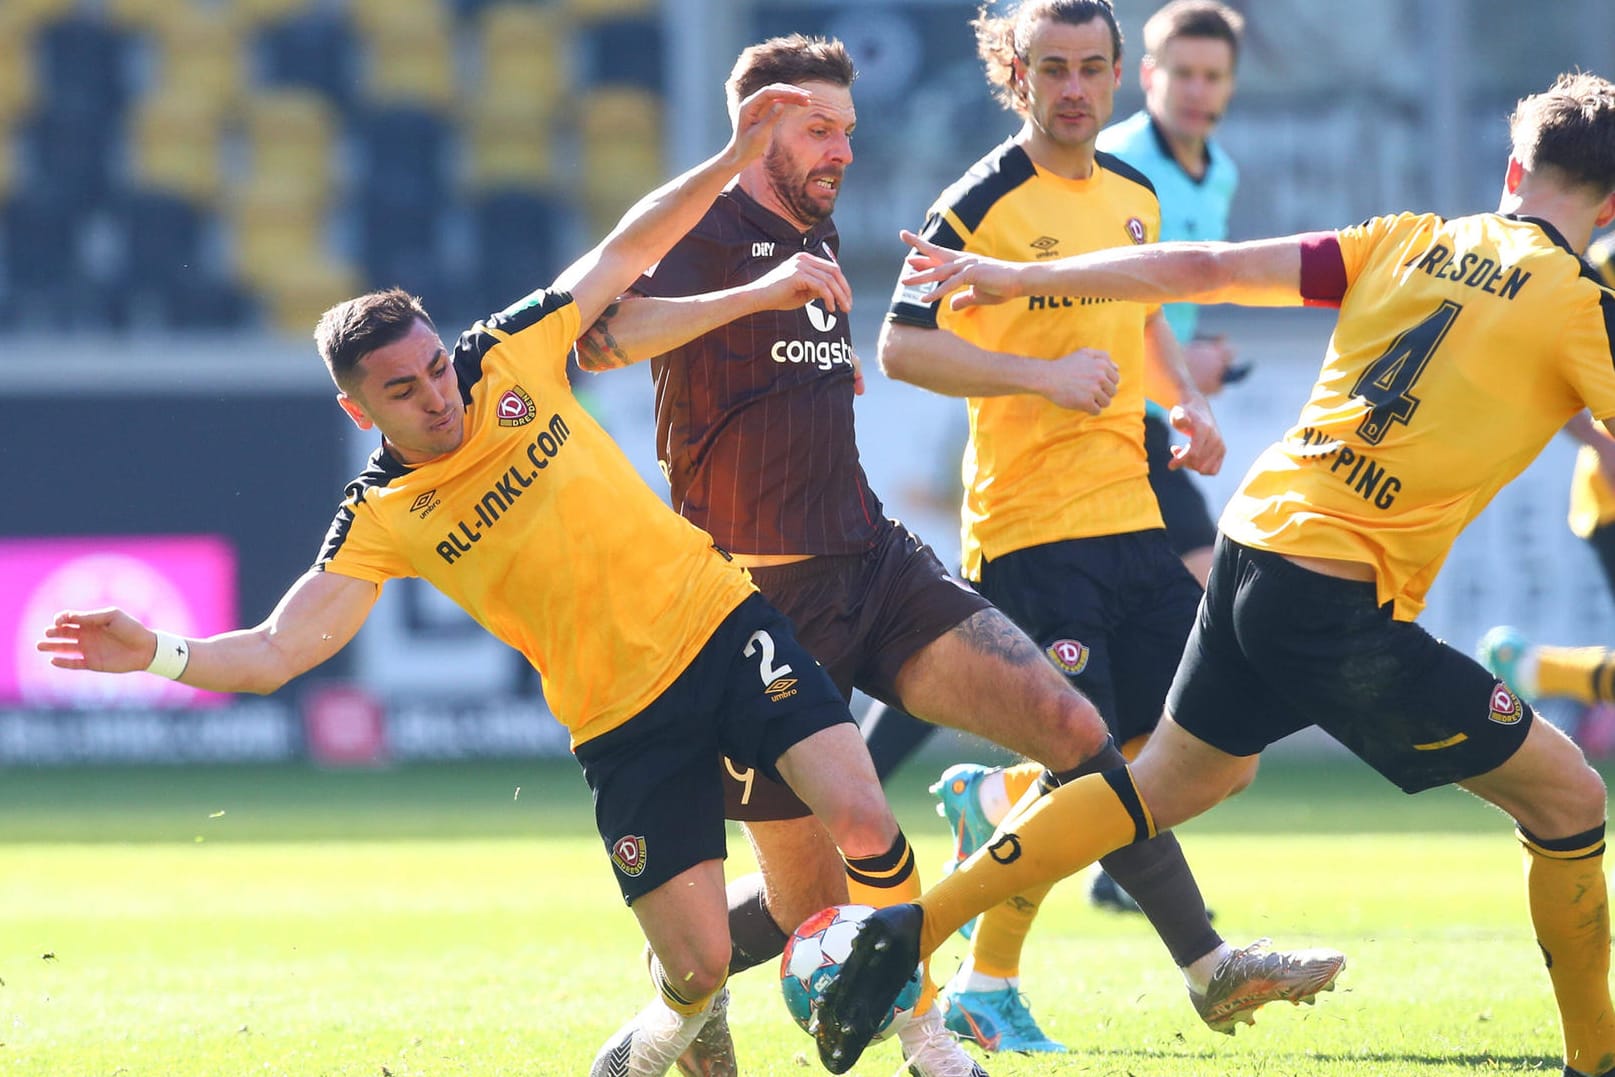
point(424, 504)
point(1044, 245)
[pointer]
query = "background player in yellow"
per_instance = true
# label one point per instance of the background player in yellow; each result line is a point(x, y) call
point(1585, 674)
point(1061, 528)
point(493, 483)
point(1332, 541)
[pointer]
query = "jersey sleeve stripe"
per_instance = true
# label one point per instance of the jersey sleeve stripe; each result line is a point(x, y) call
point(1111, 163)
point(1323, 270)
point(984, 185)
point(475, 343)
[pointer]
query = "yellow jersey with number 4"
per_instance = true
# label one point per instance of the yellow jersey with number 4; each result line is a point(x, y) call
point(1462, 346)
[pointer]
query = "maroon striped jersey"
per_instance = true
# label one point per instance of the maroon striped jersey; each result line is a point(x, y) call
point(754, 419)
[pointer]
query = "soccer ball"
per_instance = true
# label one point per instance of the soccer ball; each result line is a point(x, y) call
point(814, 954)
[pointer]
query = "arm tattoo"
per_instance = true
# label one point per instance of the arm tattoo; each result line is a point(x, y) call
point(598, 349)
point(992, 633)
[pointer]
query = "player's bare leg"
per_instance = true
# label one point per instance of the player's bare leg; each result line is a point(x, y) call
point(1559, 803)
point(686, 922)
point(986, 677)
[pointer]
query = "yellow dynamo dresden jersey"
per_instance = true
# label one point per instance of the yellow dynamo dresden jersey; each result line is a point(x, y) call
point(1592, 501)
point(540, 528)
point(1461, 347)
point(1034, 472)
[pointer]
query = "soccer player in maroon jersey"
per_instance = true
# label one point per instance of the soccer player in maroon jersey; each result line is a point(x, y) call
point(745, 322)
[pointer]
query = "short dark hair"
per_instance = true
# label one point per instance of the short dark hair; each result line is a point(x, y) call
point(792, 59)
point(1002, 39)
point(1193, 18)
point(352, 330)
point(1569, 129)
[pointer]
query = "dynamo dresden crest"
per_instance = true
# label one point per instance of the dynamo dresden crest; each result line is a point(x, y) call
point(1506, 706)
point(515, 407)
point(1070, 656)
point(628, 853)
point(1135, 229)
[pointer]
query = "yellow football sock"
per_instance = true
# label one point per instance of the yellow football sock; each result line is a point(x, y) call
point(995, 948)
point(889, 879)
point(1586, 674)
point(1019, 778)
point(676, 1000)
point(1040, 843)
point(1564, 882)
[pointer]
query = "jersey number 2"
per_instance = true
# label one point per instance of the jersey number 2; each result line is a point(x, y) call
point(762, 641)
point(1387, 383)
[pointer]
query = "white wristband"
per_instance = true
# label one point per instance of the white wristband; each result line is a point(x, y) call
point(173, 655)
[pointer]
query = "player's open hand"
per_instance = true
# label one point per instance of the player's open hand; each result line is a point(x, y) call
point(108, 641)
point(757, 117)
point(973, 279)
point(801, 279)
point(1084, 380)
point(1205, 449)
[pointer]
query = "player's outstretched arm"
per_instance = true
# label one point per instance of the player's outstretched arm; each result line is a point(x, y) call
point(651, 227)
point(312, 622)
point(946, 363)
point(636, 328)
point(1259, 273)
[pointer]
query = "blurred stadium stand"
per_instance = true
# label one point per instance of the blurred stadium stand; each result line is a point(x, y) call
point(185, 164)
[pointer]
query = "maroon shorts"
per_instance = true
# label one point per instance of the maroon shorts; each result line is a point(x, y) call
point(862, 616)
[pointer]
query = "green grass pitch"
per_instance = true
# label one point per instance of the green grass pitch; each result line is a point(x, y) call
point(461, 921)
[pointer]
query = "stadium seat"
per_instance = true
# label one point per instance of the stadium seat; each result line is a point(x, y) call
point(518, 237)
point(201, 52)
point(511, 143)
point(525, 59)
point(17, 80)
point(175, 146)
point(70, 151)
point(297, 293)
point(621, 134)
point(271, 231)
point(622, 51)
point(291, 136)
point(379, 16)
point(402, 155)
point(163, 236)
point(261, 12)
point(591, 10)
point(40, 235)
point(409, 63)
point(83, 65)
point(25, 15)
point(313, 50)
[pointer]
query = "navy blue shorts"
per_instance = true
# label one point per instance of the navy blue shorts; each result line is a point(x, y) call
point(1112, 613)
point(862, 615)
point(1278, 648)
point(1189, 525)
point(658, 779)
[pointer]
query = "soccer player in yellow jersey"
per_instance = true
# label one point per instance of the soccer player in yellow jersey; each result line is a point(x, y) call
point(657, 653)
point(1331, 543)
point(1062, 530)
point(1585, 674)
